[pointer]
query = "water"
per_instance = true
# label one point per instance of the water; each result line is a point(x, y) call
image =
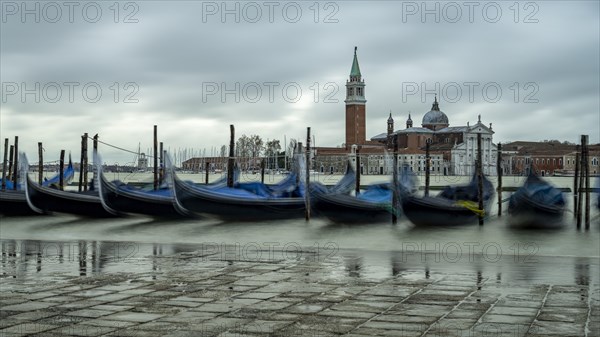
point(368, 251)
point(31, 245)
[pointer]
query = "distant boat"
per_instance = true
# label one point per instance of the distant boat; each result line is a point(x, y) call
point(14, 202)
point(536, 204)
point(454, 206)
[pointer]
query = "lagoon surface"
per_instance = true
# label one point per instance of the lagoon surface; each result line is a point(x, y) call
point(369, 250)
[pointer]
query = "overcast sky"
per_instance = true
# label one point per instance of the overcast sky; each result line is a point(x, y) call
point(532, 70)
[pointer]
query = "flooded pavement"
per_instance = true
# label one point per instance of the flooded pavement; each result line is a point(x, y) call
point(137, 276)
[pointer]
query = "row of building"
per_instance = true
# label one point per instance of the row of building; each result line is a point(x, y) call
point(453, 149)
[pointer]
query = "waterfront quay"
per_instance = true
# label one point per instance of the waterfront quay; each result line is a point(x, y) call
point(113, 288)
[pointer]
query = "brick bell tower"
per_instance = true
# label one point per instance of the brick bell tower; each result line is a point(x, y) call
point(355, 107)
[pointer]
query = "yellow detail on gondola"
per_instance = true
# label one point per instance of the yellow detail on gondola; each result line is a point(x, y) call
point(470, 205)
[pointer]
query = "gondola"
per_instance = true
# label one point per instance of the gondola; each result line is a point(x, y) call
point(238, 204)
point(47, 200)
point(244, 201)
point(344, 186)
point(454, 206)
point(372, 205)
point(120, 198)
point(14, 201)
point(536, 204)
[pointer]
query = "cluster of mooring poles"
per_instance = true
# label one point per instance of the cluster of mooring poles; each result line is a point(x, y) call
point(581, 183)
point(12, 159)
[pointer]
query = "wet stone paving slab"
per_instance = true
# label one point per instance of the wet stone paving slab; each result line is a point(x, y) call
point(197, 294)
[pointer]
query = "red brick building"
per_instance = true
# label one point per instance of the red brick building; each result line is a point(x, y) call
point(545, 158)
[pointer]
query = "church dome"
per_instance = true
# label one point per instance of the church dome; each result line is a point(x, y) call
point(435, 117)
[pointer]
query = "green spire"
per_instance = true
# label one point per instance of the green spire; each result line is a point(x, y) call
point(355, 69)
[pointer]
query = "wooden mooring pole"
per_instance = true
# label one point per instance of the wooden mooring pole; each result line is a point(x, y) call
point(81, 164)
point(161, 165)
point(499, 173)
point(395, 196)
point(307, 187)
point(61, 167)
point(40, 163)
point(581, 179)
point(576, 182)
point(155, 157)
point(586, 170)
point(207, 166)
point(427, 166)
point(262, 171)
point(357, 172)
point(16, 161)
point(10, 163)
point(95, 149)
point(479, 179)
point(85, 162)
point(295, 164)
point(4, 163)
point(231, 160)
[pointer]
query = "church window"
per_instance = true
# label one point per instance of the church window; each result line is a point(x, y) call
point(350, 92)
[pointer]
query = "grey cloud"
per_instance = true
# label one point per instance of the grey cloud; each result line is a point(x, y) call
point(170, 53)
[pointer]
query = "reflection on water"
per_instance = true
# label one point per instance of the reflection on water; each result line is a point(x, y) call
point(33, 259)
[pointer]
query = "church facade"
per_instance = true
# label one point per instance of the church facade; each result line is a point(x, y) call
point(453, 149)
